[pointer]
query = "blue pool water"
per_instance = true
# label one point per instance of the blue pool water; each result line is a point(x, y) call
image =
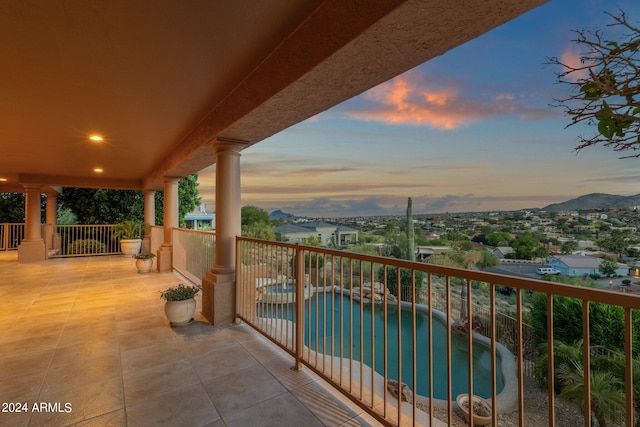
point(324, 333)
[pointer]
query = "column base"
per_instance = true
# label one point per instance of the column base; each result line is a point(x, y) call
point(32, 251)
point(219, 297)
point(165, 259)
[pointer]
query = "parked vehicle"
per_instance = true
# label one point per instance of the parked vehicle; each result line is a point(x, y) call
point(547, 270)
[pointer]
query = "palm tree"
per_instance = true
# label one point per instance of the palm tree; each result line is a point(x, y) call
point(563, 354)
point(607, 392)
point(616, 365)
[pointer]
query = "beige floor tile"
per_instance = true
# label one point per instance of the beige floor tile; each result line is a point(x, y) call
point(18, 364)
point(92, 332)
point(185, 407)
point(21, 388)
point(158, 353)
point(75, 375)
point(87, 401)
point(158, 380)
point(242, 389)
point(218, 363)
point(280, 410)
point(85, 352)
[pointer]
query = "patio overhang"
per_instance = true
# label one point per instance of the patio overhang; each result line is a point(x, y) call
point(160, 83)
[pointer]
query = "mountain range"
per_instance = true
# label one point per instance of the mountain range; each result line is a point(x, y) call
point(595, 201)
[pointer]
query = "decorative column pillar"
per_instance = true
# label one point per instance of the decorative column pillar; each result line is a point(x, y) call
point(149, 217)
point(32, 248)
point(51, 219)
point(219, 284)
point(170, 216)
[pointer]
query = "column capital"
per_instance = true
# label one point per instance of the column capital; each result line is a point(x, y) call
point(228, 145)
point(33, 187)
point(170, 179)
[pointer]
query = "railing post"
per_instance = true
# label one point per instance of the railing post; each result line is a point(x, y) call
point(299, 323)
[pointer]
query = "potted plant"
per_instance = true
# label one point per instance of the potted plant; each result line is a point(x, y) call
point(144, 261)
point(180, 303)
point(130, 233)
point(481, 409)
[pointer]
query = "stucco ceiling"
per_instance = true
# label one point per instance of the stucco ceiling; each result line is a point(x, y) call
point(160, 80)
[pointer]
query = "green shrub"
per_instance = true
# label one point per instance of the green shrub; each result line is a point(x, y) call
point(87, 246)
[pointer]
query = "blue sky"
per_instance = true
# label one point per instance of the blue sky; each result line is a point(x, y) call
point(471, 130)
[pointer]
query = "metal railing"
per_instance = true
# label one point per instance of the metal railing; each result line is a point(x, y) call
point(11, 234)
point(193, 253)
point(82, 240)
point(405, 359)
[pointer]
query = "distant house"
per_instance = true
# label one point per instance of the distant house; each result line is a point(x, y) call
point(424, 252)
point(200, 219)
point(581, 265)
point(327, 233)
point(502, 251)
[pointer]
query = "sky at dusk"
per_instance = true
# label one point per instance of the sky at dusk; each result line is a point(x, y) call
point(470, 130)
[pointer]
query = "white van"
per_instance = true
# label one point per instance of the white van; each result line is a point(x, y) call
point(547, 270)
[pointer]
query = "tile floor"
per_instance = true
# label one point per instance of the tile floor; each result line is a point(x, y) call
point(85, 342)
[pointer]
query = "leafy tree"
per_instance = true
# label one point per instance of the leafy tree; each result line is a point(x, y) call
point(188, 199)
point(405, 279)
point(499, 238)
point(607, 321)
point(255, 223)
point(541, 252)
point(252, 214)
point(569, 246)
point(607, 267)
point(487, 260)
point(66, 216)
point(12, 207)
point(102, 206)
point(604, 86)
point(525, 246)
point(616, 243)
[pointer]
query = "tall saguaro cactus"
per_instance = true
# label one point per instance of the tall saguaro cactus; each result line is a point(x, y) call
point(411, 238)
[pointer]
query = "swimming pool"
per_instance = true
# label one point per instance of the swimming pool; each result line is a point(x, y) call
point(325, 333)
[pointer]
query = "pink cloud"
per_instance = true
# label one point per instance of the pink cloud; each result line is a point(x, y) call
point(572, 58)
point(416, 99)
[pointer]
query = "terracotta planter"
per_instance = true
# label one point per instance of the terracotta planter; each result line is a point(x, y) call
point(478, 419)
point(144, 265)
point(130, 246)
point(180, 312)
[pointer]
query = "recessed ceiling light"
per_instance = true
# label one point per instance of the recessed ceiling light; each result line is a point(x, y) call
point(3, 179)
point(96, 138)
point(98, 170)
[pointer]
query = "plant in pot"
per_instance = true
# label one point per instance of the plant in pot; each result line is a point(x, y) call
point(144, 261)
point(130, 233)
point(480, 408)
point(180, 304)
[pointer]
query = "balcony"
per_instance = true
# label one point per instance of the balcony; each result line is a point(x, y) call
point(87, 338)
point(90, 331)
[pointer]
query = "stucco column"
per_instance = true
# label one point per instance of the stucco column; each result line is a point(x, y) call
point(150, 207)
point(170, 217)
point(51, 218)
point(219, 290)
point(149, 216)
point(32, 248)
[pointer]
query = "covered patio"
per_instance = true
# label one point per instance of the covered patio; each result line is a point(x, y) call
point(121, 95)
point(86, 340)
